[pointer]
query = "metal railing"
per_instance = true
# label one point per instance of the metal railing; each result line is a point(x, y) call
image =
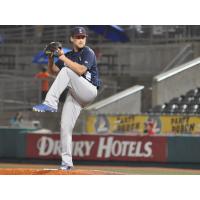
point(175, 82)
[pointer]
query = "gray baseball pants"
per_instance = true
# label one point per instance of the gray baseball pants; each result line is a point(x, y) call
point(81, 93)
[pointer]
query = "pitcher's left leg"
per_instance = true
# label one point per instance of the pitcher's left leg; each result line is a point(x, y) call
point(70, 113)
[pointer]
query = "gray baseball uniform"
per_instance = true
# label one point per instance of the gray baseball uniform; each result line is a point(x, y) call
point(82, 91)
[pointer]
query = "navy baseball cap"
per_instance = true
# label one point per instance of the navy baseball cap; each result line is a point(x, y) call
point(78, 31)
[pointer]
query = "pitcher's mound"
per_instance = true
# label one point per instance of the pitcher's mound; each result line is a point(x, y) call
point(24, 171)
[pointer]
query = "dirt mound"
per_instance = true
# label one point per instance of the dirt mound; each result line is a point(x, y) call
point(24, 171)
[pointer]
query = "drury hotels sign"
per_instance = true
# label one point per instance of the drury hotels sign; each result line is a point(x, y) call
point(100, 147)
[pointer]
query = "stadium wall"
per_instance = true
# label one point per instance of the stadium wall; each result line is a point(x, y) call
point(139, 60)
point(161, 149)
point(184, 149)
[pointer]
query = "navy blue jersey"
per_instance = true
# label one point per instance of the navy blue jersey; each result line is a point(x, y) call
point(86, 57)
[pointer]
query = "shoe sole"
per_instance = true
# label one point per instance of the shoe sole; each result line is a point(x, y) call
point(65, 169)
point(36, 110)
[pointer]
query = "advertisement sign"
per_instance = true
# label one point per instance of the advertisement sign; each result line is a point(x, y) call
point(95, 147)
point(143, 124)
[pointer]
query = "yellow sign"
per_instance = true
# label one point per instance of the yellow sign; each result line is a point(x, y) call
point(143, 124)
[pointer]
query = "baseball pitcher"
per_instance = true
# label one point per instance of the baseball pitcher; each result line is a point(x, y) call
point(78, 71)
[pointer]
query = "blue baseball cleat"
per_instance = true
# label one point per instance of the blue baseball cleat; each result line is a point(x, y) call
point(43, 108)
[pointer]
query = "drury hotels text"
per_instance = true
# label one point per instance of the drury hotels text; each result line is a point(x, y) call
point(101, 147)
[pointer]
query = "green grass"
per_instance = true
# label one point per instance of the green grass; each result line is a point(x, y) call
point(148, 171)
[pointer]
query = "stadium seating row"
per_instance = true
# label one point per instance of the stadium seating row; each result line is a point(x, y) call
point(184, 104)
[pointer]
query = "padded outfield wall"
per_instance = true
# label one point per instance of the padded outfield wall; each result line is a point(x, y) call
point(125, 148)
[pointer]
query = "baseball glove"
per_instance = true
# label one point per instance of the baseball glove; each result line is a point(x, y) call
point(52, 48)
